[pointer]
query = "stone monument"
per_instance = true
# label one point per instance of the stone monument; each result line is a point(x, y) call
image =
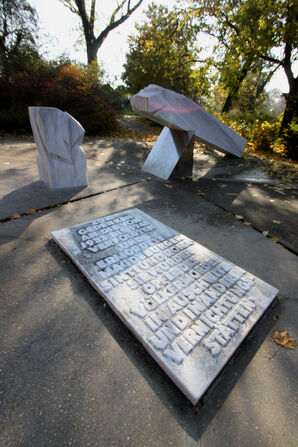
point(182, 118)
point(61, 161)
point(189, 307)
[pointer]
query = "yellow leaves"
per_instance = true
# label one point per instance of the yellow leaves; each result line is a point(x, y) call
point(282, 338)
point(186, 177)
point(275, 239)
point(248, 224)
point(238, 217)
point(276, 222)
point(17, 216)
point(168, 185)
point(201, 193)
point(265, 233)
point(32, 211)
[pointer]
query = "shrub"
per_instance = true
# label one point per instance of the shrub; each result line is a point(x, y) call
point(69, 87)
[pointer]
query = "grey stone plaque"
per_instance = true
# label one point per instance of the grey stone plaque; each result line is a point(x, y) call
point(189, 307)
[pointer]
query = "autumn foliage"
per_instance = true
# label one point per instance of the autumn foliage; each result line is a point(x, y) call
point(69, 87)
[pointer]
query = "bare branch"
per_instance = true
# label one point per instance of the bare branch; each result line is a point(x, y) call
point(114, 23)
point(70, 6)
point(271, 59)
point(113, 16)
point(92, 14)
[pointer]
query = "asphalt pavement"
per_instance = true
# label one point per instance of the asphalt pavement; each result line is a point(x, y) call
point(71, 373)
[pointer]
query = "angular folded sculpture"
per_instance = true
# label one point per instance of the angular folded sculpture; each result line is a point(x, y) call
point(182, 118)
point(61, 161)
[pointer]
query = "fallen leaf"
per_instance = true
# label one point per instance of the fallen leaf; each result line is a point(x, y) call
point(249, 224)
point(238, 217)
point(274, 239)
point(282, 338)
point(63, 262)
point(15, 216)
point(276, 221)
point(265, 233)
point(32, 211)
point(168, 186)
point(201, 193)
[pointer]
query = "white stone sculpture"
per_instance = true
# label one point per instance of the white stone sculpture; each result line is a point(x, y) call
point(61, 161)
point(180, 115)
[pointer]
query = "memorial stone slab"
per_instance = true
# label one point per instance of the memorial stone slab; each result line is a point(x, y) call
point(61, 161)
point(189, 307)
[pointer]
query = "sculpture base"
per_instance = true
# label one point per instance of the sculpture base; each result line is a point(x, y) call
point(166, 152)
point(184, 166)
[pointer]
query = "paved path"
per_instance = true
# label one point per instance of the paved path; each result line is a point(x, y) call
point(72, 374)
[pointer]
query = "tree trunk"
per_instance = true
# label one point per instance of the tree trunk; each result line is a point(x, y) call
point(287, 133)
point(291, 106)
point(92, 50)
point(292, 97)
point(234, 90)
point(227, 104)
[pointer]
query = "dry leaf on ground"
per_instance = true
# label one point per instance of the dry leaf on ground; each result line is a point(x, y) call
point(282, 338)
point(15, 216)
point(274, 239)
point(239, 217)
point(32, 211)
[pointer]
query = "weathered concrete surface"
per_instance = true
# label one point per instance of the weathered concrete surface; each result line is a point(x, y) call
point(72, 374)
point(110, 165)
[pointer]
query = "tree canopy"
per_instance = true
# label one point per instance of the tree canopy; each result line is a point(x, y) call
point(18, 32)
point(252, 33)
point(164, 52)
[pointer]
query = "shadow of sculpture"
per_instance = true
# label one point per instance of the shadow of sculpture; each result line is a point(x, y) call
point(37, 198)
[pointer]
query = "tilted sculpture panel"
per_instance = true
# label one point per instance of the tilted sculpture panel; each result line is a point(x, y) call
point(180, 114)
point(61, 161)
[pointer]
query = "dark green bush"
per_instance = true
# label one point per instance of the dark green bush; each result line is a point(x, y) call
point(68, 87)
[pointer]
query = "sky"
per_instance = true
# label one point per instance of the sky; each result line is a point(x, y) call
point(62, 29)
